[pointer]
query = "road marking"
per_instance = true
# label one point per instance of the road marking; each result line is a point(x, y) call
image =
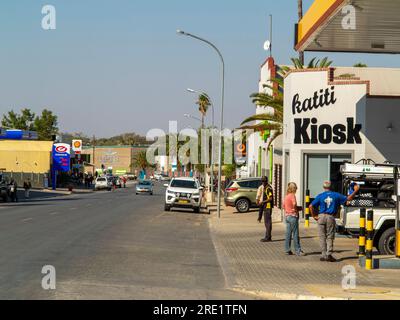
point(27, 220)
point(89, 205)
point(54, 213)
point(72, 209)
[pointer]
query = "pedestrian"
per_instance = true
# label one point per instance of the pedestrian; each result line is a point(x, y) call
point(27, 188)
point(91, 179)
point(292, 221)
point(265, 200)
point(323, 209)
point(13, 191)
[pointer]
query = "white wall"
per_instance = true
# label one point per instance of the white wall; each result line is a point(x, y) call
point(347, 98)
point(255, 141)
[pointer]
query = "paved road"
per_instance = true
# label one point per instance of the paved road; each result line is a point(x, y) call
point(108, 245)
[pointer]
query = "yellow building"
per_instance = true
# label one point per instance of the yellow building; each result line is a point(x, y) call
point(25, 156)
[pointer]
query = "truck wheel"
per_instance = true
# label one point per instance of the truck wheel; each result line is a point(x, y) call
point(196, 210)
point(167, 208)
point(243, 205)
point(387, 242)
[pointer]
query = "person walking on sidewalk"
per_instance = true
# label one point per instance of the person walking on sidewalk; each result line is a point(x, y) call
point(292, 221)
point(328, 204)
point(13, 191)
point(27, 187)
point(265, 200)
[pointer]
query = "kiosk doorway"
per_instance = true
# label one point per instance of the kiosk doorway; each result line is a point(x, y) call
point(323, 167)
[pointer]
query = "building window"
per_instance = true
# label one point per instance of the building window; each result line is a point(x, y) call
point(323, 167)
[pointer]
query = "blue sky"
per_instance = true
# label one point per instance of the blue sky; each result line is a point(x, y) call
point(118, 66)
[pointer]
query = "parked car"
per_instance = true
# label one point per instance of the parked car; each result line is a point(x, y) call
point(131, 177)
point(183, 193)
point(164, 177)
point(144, 186)
point(377, 193)
point(242, 194)
point(157, 176)
point(103, 183)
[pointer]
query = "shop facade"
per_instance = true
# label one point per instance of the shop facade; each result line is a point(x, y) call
point(118, 160)
point(338, 115)
point(260, 161)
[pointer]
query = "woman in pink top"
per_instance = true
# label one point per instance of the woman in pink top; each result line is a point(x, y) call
point(292, 221)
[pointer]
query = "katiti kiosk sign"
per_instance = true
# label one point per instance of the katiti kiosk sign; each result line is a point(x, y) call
point(328, 120)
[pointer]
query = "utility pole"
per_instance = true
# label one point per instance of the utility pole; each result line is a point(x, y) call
point(94, 155)
point(270, 35)
point(300, 13)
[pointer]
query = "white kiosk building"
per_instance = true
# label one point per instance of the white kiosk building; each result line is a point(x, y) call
point(336, 115)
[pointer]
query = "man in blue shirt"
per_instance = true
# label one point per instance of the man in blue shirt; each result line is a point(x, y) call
point(328, 204)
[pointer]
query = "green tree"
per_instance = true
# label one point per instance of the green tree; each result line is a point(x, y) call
point(68, 137)
point(360, 65)
point(140, 160)
point(204, 103)
point(22, 121)
point(229, 170)
point(46, 125)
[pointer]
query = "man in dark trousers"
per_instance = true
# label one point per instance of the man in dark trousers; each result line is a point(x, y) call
point(323, 209)
point(13, 191)
point(265, 200)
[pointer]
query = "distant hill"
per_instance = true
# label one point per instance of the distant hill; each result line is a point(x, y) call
point(126, 139)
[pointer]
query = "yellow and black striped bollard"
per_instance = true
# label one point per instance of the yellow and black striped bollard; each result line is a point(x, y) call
point(362, 237)
point(307, 209)
point(370, 241)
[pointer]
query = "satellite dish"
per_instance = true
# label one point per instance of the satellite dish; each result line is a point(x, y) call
point(267, 45)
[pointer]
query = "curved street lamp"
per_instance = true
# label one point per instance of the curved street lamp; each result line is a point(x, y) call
point(186, 115)
point(183, 33)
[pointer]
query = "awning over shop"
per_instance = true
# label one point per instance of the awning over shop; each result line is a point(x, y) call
point(325, 27)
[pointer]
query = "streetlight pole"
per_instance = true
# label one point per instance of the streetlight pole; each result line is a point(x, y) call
point(94, 159)
point(222, 111)
point(212, 141)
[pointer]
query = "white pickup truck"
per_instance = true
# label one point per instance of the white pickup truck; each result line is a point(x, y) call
point(377, 193)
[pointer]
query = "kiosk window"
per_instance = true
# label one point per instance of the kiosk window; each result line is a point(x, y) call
point(323, 167)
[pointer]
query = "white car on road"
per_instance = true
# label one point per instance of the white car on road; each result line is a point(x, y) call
point(103, 183)
point(183, 193)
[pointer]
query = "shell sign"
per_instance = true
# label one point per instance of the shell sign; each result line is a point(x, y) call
point(77, 146)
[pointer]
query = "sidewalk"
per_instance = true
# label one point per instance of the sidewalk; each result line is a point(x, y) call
point(40, 194)
point(264, 270)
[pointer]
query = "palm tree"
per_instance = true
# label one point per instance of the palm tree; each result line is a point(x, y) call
point(140, 160)
point(204, 103)
point(271, 122)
